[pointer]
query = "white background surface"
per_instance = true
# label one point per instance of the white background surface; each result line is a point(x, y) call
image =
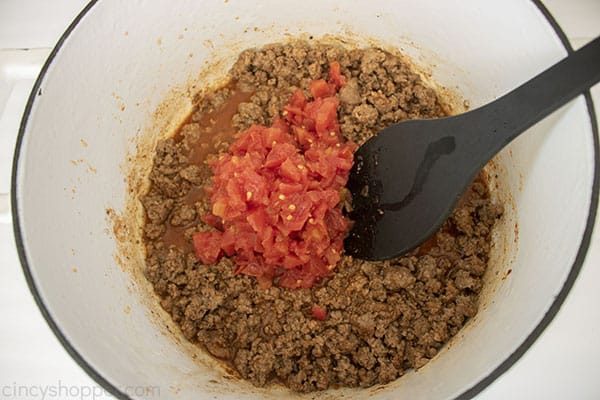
point(563, 363)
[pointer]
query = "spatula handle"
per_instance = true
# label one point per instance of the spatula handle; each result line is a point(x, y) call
point(521, 108)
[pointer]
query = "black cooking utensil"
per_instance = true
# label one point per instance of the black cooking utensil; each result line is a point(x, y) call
point(407, 179)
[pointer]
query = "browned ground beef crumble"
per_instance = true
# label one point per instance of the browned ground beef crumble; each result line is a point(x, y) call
point(383, 318)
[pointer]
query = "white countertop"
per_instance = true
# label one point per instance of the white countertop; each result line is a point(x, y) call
point(563, 363)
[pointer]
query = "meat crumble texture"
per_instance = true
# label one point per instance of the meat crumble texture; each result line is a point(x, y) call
point(382, 318)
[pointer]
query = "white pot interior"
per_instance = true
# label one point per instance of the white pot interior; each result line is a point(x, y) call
point(97, 100)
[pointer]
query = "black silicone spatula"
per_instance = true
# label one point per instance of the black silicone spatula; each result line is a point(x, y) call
point(407, 179)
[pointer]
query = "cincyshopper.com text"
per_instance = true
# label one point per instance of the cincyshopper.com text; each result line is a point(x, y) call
point(64, 391)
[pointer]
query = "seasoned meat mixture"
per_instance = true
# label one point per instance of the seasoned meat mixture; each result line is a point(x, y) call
point(382, 318)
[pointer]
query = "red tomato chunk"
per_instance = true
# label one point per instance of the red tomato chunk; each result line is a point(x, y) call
point(275, 194)
point(318, 312)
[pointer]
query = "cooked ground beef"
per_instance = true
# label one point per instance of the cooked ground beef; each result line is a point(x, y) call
point(383, 318)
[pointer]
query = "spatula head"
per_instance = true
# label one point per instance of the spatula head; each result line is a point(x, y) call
point(404, 183)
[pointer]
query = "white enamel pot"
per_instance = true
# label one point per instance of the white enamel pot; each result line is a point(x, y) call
point(102, 97)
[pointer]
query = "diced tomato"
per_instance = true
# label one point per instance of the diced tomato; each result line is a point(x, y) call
point(207, 246)
point(250, 140)
point(296, 279)
point(321, 88)
point(276, 135)
point(257, 219)
point(219, 208)
point(228, 242)
point(298, 99)
point(254, 267)
point(253, 187)
point(298, 209)
point(291, 171)
point(212, 220)
point(236, 203)
point(332, 257)
point(330, 198)
point(283, 128)
point(291, 261)
point(318, 266)
point(264, 281)
point(294, 110)
point(336, 221)
point(275, 194)
point(279, 153)
point(300, 249)
point(318, 312)
point(304, 137)
point(288, 188)
point(335, 75)
point(326, 123)
point(315, 234)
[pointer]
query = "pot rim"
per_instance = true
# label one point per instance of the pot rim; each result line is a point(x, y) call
point(468, 393)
